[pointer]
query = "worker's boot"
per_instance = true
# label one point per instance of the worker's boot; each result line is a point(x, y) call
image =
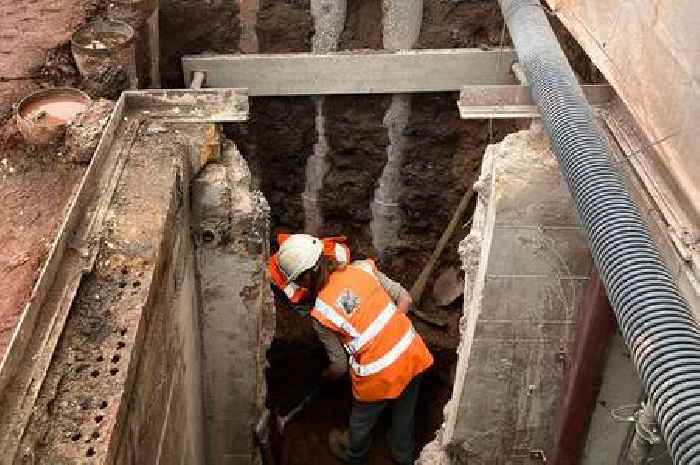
point(338, 442)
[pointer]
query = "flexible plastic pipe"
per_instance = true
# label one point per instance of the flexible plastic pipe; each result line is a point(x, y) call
point(656, 322)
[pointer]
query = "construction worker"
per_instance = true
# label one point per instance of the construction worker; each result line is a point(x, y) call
point(360, 317)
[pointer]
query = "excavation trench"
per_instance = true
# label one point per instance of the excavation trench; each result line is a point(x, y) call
point(421, 155)
point(442, 160)
point(409, 154)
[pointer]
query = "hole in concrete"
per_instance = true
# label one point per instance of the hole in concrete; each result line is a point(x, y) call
point(95, 434)
point(103, 404)
point(95, 373)
point(136, 283)
point(99, 418)
point(120, 345)
point(208, 235)
point(114, 371)
point(90, 451)
point(123, 332)
point(75, 437)
point(125, 270)
point(100, 358)
point(122, 284)
point(115, 358)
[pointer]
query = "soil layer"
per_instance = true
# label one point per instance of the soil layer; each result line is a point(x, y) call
point(357, 155)
point(363, 25)
point(284, 26)
point(35, 187)
point(295, 371)
point(471, 23)
point(191, 26)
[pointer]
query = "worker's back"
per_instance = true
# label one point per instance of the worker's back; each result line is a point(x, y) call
point(385, 351)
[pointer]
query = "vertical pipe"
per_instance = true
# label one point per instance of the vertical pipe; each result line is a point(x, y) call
point(401, 25)
point(329, 21)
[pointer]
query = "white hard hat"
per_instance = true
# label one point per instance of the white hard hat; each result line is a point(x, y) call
point(299, 253)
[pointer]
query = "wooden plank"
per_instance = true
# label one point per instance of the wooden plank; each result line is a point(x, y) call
point(514, 101)
point(379, 72)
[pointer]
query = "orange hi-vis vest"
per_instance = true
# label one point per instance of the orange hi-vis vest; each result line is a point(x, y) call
point(385, 351)
point(332, 247)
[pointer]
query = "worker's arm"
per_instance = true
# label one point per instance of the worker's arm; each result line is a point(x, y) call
point(396, 291)
point(335, 351)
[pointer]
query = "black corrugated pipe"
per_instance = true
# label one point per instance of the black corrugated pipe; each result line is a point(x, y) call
point(656, 322)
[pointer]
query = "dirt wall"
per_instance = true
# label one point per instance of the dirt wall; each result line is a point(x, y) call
point(357, 140)
point(471, 23)
point(357, 153)
point(193, 26)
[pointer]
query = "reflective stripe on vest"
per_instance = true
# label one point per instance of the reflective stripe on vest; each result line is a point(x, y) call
point(339, 321)
point(387, 359)
point(341, 254)
point(364, 265)
point(372, 330)
point(290, 289)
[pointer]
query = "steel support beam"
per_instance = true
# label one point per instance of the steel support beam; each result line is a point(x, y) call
point(383, 72)
point(514, 101)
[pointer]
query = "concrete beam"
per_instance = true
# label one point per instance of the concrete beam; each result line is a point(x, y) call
point(514, 101)
point(191, 105)
point(385, 72)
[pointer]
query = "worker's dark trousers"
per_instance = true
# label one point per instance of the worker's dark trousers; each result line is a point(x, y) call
point(365, 414)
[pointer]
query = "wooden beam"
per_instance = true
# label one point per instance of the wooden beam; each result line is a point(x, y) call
point(380, 72)
point(514, 101)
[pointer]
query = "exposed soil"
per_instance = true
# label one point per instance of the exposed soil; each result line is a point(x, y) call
point(363, 25)
point(284, 26)
point(280, 136)
point(29, 30)
point(36, 186)
point(295, 370)
point(59, 68)
point(579, 61)
point(193, 26)
point(470, 23)
point(284, 135)
point(357, 141)
point(443, 159)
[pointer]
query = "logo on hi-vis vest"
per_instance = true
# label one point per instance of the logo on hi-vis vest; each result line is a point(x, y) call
point(348, 301)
